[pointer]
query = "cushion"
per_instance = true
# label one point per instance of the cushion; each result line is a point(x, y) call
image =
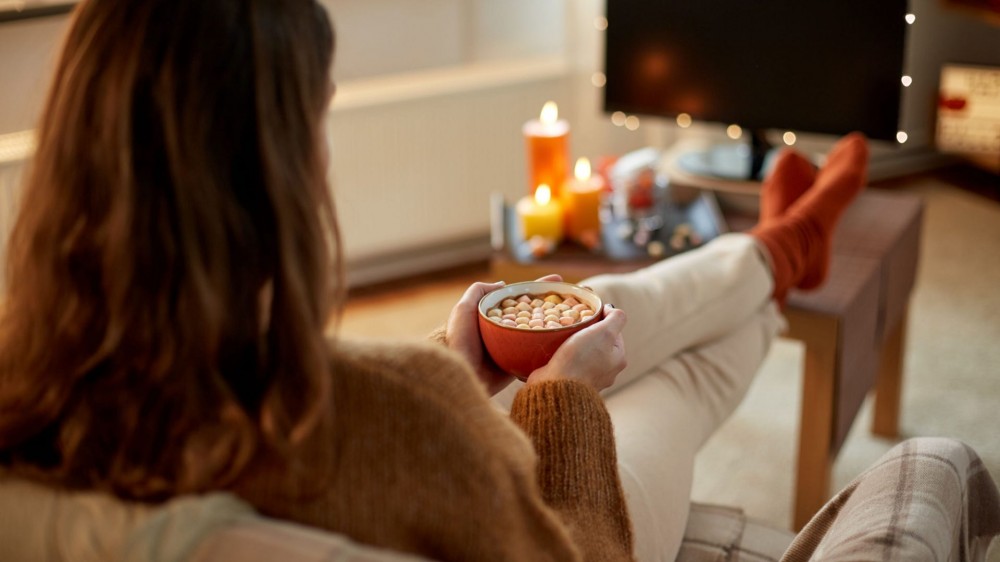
point(41, 524)
point(717, 534)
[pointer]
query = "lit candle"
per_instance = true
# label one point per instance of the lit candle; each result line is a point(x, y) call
point(583, 204)
point(540, 215)
point(547, 140)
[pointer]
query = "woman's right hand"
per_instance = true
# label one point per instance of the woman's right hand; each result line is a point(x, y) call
point(594, 355)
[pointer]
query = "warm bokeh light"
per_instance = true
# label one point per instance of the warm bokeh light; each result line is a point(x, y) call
point(631, 122)
point(910, 18)
point(582, 169)
point(901, 137)
point(543, 194)
point(654, 65)
point(550, 113)
point(598, 79)
point(906, 80)
point(734, 132)
point(618, 118)
point(600, 23)
point(789, 138)
point(684, 120)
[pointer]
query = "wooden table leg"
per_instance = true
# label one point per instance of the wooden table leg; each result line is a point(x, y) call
point(888, 386)
point(815, 459)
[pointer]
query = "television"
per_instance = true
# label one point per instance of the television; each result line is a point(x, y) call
point(807, 66)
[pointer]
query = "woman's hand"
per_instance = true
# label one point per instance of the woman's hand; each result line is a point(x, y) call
point(594, 355)
point(463, 336)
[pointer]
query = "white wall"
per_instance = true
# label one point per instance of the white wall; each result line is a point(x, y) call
point(27, 53)
point(378, 37)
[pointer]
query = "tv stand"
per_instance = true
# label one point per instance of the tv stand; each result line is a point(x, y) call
point(730, 161)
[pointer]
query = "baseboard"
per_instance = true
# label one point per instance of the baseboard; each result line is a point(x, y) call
point(397, 265)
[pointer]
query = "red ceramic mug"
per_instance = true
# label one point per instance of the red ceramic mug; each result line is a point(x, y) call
point(520, 351)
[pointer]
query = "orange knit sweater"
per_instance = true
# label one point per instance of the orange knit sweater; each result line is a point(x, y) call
point(424, 463)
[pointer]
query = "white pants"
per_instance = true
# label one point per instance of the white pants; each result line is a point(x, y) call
point(699, 326)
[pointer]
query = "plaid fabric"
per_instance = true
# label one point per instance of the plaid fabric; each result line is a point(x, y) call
point(724, 534)
point(926, 499)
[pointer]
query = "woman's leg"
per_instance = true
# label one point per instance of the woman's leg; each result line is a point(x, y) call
point(682, 302)
point(685, 301)
point(926, 499)
point(662, 419)
point(699, 326)
point(723, 323)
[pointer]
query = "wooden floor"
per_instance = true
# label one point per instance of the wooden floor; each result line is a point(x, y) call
point(408, 308)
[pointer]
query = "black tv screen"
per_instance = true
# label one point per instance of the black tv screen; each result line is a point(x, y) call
point(829, 67)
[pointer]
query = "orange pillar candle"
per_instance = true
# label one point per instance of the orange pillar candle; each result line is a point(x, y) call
point(583, 203)
point(540, 215)
point(547, 140)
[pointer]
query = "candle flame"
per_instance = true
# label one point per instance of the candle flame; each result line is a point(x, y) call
point(550, 113)
point(582, 169)
point(543, 194)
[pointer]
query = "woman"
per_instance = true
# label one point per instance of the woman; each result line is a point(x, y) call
point(176, 262)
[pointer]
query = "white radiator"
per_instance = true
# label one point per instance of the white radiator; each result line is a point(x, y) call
point(414, 161)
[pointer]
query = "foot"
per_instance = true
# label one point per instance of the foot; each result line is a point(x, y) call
point(841, 179)
point(791, 177)
point(799, 238)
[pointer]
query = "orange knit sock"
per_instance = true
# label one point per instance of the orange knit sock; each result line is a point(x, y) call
point(799, 239)
point(791, 177)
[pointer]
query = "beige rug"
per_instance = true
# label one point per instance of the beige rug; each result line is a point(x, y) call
point(952, 369)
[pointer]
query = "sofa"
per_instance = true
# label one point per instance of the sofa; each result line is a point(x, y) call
point(926, 499)
point(39, 524)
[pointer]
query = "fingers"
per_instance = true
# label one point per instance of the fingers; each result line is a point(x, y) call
point(462, 334)
point(463, 314)
point(594, 355)
point(611, 325)
point(608, 334)
point(477, 291)
point(614, 319)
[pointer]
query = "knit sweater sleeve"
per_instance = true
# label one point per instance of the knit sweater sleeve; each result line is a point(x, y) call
point(577, 471)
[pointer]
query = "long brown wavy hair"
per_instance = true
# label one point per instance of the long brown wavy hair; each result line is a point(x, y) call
point(179, 176)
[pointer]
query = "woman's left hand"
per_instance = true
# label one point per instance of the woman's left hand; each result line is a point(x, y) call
point(463, 335)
